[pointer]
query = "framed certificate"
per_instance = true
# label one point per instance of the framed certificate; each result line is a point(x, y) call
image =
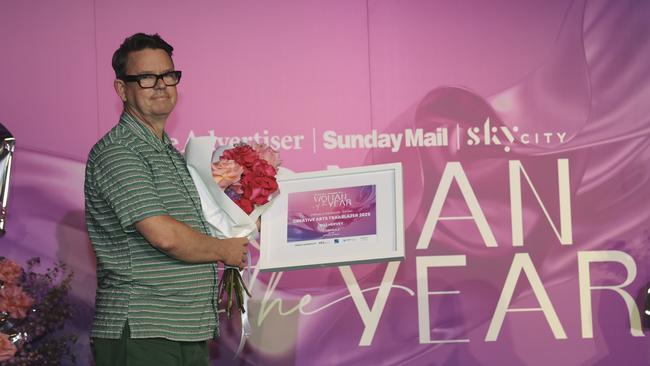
point(334, 217)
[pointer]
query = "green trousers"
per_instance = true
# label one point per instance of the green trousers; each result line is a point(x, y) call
point(128, 351)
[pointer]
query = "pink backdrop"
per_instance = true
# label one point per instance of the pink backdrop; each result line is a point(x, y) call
point(573, 69)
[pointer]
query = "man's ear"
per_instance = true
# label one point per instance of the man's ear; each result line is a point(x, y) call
point(120, 89)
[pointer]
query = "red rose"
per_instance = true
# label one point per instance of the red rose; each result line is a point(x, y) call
point(263, 181)
point(266, 186)
point(261, 167)
point(250, 192)
point(244, 155)
point(261, 196)
point(246, 179)
point(245, 204)
point(266, 183)
point(260, 186)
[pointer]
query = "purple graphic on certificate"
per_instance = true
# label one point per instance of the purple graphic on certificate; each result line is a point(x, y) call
point(332, 216)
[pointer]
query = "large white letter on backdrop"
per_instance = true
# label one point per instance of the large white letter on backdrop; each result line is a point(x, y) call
point(584, 259)
point(523, 262)
point(454, 171)
point(565, 235)
point(370, 317)
point(421, 266)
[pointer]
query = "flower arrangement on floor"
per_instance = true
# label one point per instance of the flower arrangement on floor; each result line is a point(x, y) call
point(33, 310)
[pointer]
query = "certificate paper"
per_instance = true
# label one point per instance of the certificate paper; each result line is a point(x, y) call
point(334, 217)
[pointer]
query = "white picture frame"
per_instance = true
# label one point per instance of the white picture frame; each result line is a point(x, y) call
point(282, 245)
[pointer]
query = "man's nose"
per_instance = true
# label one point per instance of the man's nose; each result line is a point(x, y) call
point(160, 84)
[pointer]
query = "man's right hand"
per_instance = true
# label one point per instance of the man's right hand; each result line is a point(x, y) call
point(233, 251)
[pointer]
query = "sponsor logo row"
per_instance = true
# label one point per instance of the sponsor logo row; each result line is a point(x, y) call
point(503, 137)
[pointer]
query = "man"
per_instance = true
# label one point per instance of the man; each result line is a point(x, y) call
point(156, 271)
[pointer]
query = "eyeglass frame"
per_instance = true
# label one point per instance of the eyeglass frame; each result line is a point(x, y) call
point(138, 78)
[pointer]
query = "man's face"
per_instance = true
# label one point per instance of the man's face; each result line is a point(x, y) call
point(148, 104)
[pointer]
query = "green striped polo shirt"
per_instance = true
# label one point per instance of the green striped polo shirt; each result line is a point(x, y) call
point(131, 175)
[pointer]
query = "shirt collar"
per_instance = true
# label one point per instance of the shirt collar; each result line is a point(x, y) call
point(144, 133)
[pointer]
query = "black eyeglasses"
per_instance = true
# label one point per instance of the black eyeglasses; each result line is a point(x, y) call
point(170, 78)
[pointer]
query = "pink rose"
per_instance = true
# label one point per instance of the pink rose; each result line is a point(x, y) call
point(9, 272)
point(15, 301)
point(7, 349)
point(267, 153)
point(226, 172)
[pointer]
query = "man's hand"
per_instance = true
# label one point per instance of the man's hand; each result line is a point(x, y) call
point(234, 251)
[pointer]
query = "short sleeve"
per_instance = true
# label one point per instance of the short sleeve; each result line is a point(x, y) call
point(125, 181)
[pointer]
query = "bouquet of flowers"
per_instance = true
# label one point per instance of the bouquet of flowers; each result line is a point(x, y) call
point(236, 185)
point(247, 174)
point(33, 307)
